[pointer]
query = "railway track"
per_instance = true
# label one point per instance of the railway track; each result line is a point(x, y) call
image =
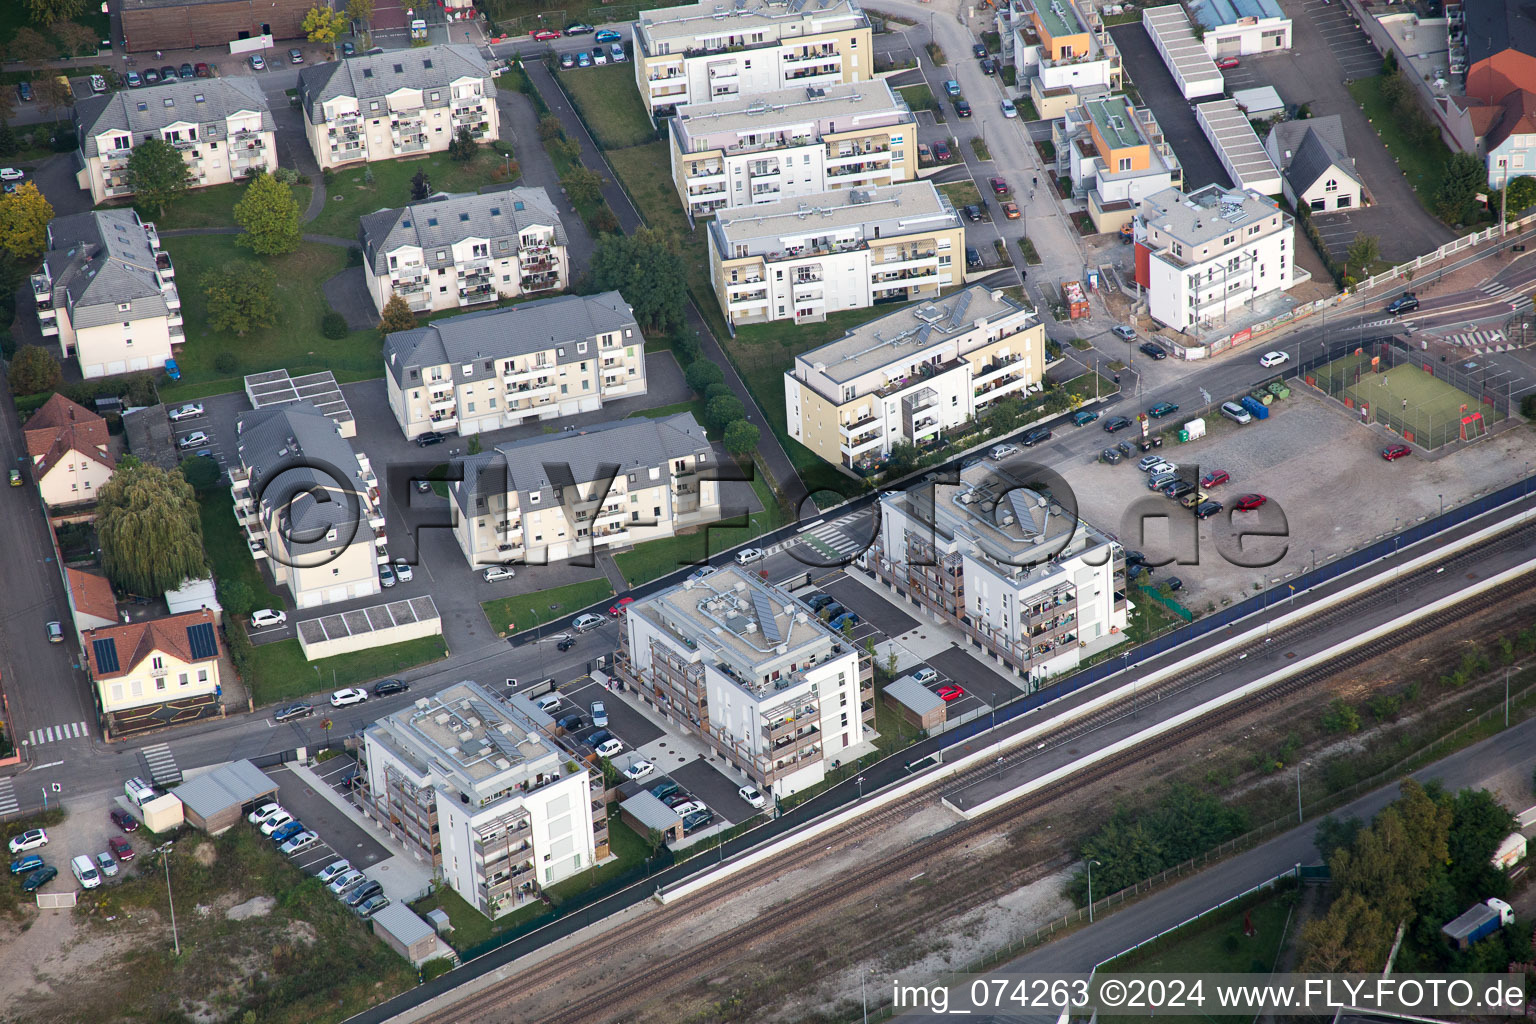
point(600, 1005)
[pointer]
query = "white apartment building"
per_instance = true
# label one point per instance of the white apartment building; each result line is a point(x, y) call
point(1059, 53)
point(771, 688)
point(761, 148)
point(548, 498)
point(107, 292)
point(472, 786)
point(221, 126)
point(1114, 155)
point(800, 259)
point(912, 376)
point(538, 360)
point(704, 52)
point(396, 103)
point(1017, 572)
point(309, 504)
point(453, 251)
point(1202, 255)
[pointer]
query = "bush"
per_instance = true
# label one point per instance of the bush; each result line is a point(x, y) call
point(685, 345)
point(34, 370)
point(1340, 717)
point(701, 374)
point(716, 390)
point(354, 256)
point(286, 175)
point(226, 362)
point(604, 222)
point(723, 411)
point(435, 968)
point(333, 325)
point(1528, 407)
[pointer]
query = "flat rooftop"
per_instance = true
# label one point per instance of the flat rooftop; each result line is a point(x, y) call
point(1060, 18)
point(463, 731)
point(1205, 215)
point(1235, 138)
point(276, 387)
point(776, 19)
point(1178, 36)
point(769, 112)
point(896, 210)
point(1116, 121)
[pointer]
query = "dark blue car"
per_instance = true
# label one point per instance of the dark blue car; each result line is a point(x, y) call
point(287, 832)
point(845, 619)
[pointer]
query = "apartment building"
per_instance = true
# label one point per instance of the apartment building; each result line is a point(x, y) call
point(107, 293)
point(774, 691)
point(707, 52)
point(762, 148)
point(221, 126)
point(912, 376)
point(1202, 255)
point(1060, 53)
point(1114, 155)
point(461, 250)
point(70, 450)
point(309, 504)
point(800, 259)
point(396, 103)
point(1015, 570)
point(497, 368)
point(471, 786)
point(610, 485)
point(154, 663)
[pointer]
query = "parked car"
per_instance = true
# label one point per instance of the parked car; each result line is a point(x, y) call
point(1121, 330)
point(999, 186)
point(292, 712)
point(348, 50)
point(168, 74)
point(1035, 435)
point(586, 623)
point(275, 821)
point(1115, 423)
point(55, 632)
point(925, 674)
point(367, 891)
point(387, 687)
point(619, 606)
point(831, 611)
point(972, 257)
point(298, 842)
point(1162, 409)
point(263, 812)
point(184, 412)
point(285, 832)
point(1155, 351)
point(196, 439)
point(567, 60)
point(697, 820)
point(607, 35)
point(295, 55)
point(1249, 502)
point(951, 88)
point(1271, 359)
point(1011, 209)
point(616, 51)
point(187, 71)
point(152, 77)
point(1004, 451)
point(345, 698)
point(1404, 303)
point(1173, 583)
point(372, 905)
point(1236, 413)
point(1395, 452)
point(662, 790)
point(333, 870)
point(753, 796)
point(599, 57)
point(386, 576)
point(639, 770)
point(27, 862)
point(172, 371)
point(267, 617)
point(403, 572)
point(257, 62)
point(570, 723)
point(24, 90)
point(845, 619)
point(1083, 417)
point(1227, 63)
point(980, 50)
point(15, 477)
point(688, 807)
point(816, 602)
point(431, 437)
point(950, 693)
point(599, 713)
point(548, 703)
point(544, 35)
point(39, 878)
point(609, 747)
point(497, 573)
point(701, 572)
point(1149, 462)
point(1215, 478)
point(1207, 509)
point(578, 28)
point(941, 151)
point(98, 84)
point(972, 212)
point(962, 108)
point(202, 70)
point(1177, 488)
point(1009, 110)
point(746, 556)
point(345, 882)
point(106, 864)
point(583, 59)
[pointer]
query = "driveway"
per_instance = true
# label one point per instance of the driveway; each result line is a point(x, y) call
point(1173, 112)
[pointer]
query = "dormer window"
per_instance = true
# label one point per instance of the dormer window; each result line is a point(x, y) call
point(198, 98)
point(427, 63)
point(123, 307)
point(431, 222)
point(495, 211)
point(434, 95)
point(168, 102)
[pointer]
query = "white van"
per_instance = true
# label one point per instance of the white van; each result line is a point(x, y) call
point(85, 872)
point(138, 791)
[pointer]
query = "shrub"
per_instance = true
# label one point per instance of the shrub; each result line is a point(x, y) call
point(286, 175)
point(1340, 717)
point(226, 362)
point(717, 389)
point(333, 325)
point(354, 256)
point(701, 374)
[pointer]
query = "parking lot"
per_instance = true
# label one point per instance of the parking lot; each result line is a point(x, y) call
point(339, 836)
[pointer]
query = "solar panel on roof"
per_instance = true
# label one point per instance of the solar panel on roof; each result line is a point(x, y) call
point(201, 638)
point(765, 620)
point(1023, 510)
point(106, 654)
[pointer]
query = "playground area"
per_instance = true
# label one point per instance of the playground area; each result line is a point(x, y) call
point(1427, 405)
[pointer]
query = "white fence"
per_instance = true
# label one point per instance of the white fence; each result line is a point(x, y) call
point(56, 900)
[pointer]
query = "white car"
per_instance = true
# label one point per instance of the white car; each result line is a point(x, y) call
point(599, 713)
point(186, 412)
point(1269, 359)
point(702, 572)
point(98, 84)
point(277, 821)
point(196, 439)
point(268, 617)
point(11, 174)
point(689, 807)
point(345, 882)
point(1009, 110)
point(586, 623)
point(608, 748)
point(753, 796)
point(746, 556)
point(329, 873)
point(31, 839)
point(925, 674)
point(346, 698)
point(1003, 451)
point(1236, 413)
point(403, 572)
point(263, 812)
point(639, 770)
point(599, 57)
point(497, 573)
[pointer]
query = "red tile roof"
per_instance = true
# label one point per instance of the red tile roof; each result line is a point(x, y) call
point(1495, 78)
point(136, 641)
point(1519, 118)
point(60, 427)
point(92, 594)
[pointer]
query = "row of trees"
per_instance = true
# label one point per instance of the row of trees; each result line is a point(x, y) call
point(724, 413)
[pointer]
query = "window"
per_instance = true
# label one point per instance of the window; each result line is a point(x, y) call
point(1331, 185)
point(182, 679)
point(1125, 163)
point(160, 683)
point(202, 675)
point(434, 95)
point(157, 663)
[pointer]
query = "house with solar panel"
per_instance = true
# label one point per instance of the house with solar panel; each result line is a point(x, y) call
point(1010, 566)
point(776, 692)
point(156, 672)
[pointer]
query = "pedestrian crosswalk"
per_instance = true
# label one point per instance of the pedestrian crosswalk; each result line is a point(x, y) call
point(8, 804)
point(55, 733)
point(1497, 289)
point(831, 539)
point(1493, 289)
point(161, 765)
point(1476, 339)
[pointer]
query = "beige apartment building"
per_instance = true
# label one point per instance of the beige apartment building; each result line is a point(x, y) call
point(761, 148)
point(221, 126)
point(155, 663)
point(913, 376)
point(497, 368)
point(70, 450)
point(707, 52)
point(396, 103)
point(544, 499)
point(800, 259)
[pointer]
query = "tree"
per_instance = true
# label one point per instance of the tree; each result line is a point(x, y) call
point(584, 187)
point(202, 474)
point(741, 438)
point(397, 316)
point(8, 145)
point(421, 186)
point(1465, 176)
point(550, 128)
point(157, 174)
point(24, 218)
point(34, 370)
point(647, 269)
point(270, 216)
point(28, 45)
point(235, 595)
point(360, 10)
point(463, 147)
point(52, 92)
point(46, 12)
point(242, 296)
point(1522, 196)
point(151, 536)
point(1363, 251)
point(75, 36)
point(723, 411)
point(701, 374)
point(323, 25)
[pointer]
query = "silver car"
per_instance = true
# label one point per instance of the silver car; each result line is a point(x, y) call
point(346, 882)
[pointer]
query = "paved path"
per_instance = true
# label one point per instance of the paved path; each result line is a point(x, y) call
point(520, 130)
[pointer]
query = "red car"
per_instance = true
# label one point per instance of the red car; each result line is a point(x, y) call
point(544, 34)
point(120, 849)
point(123, 820)
point(1215, 478)
point(1249, 502)
point(999, 186)
point(1227, 63)
point(620, 605)
point(949, 693)
point(940, 151)
point(1396, 452)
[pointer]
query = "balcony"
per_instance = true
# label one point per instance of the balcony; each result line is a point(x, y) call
point(172, 300)
point(442, 423)
point(163, 264)
point(541, 282)
point(856, 429)
point(480, 293)
point(864, 443)
point(749, 300)
point(442, 404)
point(537, 389)
point(174, 320)
point(50, 328)
point(42, 289)
point(513, 377)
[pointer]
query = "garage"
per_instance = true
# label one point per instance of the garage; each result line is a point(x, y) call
point(139, 363)
point(488, 423)
point(336, 594)
point(119, 366)
point(1229, 46)
point(94, 370)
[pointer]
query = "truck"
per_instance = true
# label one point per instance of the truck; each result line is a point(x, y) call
point(1510, 852)
point(1481, 921)
point(1077, 302)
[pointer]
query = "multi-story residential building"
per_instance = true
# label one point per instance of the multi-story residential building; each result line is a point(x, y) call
point(548, 498)
point(704, 52)
point(1059, 53)
point(309, 504)
point(462, 250)
point(1202, 255)
point(1114, 155)
point(1026, 580)
point(396, 103)
point(473, 788)
point(500, 367)
point(107, 292)
point(157, 662)
point(761, 148)
point(800, 259)
point(70, 450)
point(779, 695)
point(221, 126)
point(912, 375)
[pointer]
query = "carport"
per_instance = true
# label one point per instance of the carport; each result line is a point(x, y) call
point(917, 705)
point(218, 799)
point(643, 812)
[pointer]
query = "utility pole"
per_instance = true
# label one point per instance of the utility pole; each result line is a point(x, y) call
point(165, 856)
point(1091, 863)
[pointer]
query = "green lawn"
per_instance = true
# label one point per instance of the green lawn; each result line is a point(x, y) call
point(392, 187)
point(696, 407)
point(610, 104)
point(224, 542)
point(656, 558)
point(512, 614)
point(1421, 165)
point(280, 672)
point(919, 97)
point(15, 15)
point(628, 850)
point(470, 927)
point(212, 207)
point(963, 193)
point(295, 343)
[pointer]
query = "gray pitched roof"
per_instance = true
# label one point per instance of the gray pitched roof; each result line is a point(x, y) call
point(1494, 26)
point(207, 102)
point(99, 260)
point(299, 463)
point(1287, 136)
point(1313, 160)
point(540, 464)
point(375, 76)
point(446, 219)
point(479, 339)
point(229, 785)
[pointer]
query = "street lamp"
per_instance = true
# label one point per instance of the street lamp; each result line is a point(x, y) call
point(864, 976)
point(1299, 818)
point(861, 787)
point(1442, 503)
point(1091, 863)
point(165, 857)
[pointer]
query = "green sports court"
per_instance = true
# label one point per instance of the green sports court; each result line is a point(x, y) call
point(1409, 401)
